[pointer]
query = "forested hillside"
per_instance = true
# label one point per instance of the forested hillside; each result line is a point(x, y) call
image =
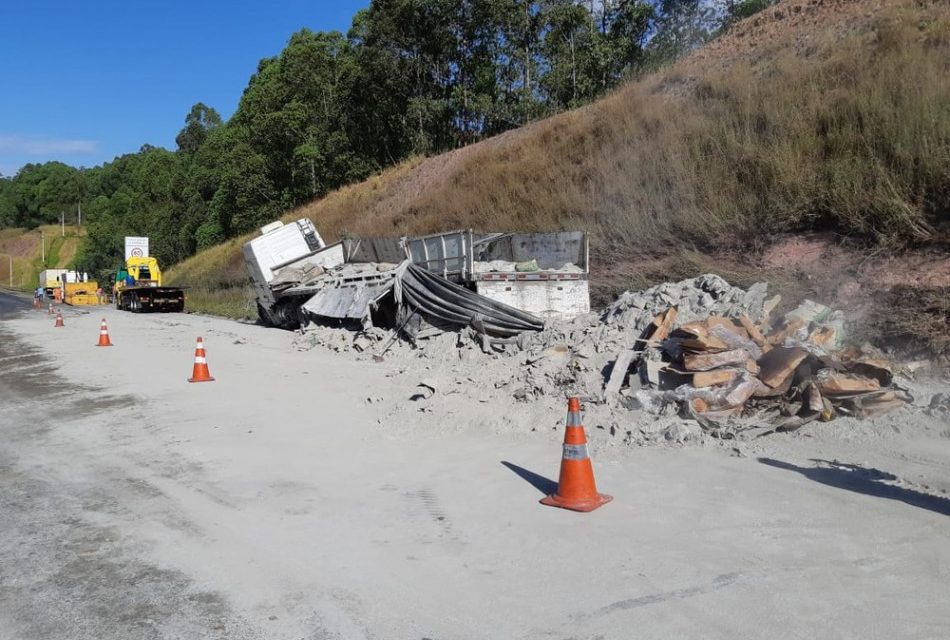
point(410, 78)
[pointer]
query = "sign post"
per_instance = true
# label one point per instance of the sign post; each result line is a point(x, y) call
point(136, 247)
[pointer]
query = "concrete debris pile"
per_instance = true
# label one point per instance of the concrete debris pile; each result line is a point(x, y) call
point(694, 352)
point(694, 299)
point(723, 368)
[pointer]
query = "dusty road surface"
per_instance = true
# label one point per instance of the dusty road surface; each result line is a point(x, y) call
point(276, 502)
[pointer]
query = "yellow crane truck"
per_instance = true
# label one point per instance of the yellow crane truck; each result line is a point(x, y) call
point(138, 288)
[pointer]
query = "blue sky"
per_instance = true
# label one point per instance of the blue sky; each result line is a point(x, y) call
point(85, 81)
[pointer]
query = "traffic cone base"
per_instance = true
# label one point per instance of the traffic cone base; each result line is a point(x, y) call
point(576, 489)
point(200, 372)
point(555, 500)
point(104, 340)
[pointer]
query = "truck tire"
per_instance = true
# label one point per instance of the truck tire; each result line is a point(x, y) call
point(263, 316)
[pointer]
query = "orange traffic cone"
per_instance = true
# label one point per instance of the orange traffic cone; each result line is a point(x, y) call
point(104, 335)
point(36, 303)
point(575, 487)
point(200, 372)
point(50, 308)
point(59, 320)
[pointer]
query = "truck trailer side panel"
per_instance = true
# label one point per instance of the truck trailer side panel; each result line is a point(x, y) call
point(550, 299)
point(556, 287)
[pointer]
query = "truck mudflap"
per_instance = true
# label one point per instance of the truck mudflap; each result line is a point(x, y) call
point(151, 299)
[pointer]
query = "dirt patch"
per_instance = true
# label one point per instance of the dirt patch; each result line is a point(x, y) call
point(797, 252)
point(24, 246)
point(927, 271)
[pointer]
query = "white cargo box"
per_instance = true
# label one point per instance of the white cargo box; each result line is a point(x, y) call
point(281, 246)
point(48, 278)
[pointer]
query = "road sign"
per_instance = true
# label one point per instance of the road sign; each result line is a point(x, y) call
point(135, 247)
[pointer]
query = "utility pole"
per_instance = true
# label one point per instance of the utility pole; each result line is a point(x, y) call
point(79, 223)
point(43, 244)
point(62, 222)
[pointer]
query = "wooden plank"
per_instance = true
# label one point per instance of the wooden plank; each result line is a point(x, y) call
point(833, 384)
point(707, 361)
point(728, 324)
point(714, 377)
point(777, 366)
point(664, 324)
point(695, 336)
point(754, 333)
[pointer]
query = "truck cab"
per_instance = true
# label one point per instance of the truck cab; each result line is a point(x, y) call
point(138, 287)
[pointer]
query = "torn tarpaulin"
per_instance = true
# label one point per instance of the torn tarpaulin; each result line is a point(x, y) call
point(441, 302)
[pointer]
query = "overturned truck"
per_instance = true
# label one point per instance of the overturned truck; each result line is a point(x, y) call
point(499, 284)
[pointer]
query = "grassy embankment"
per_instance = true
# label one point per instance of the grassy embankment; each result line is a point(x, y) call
point(839, 123)
point(27, 250)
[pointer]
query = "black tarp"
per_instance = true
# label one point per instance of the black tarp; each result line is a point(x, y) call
point(445, 302)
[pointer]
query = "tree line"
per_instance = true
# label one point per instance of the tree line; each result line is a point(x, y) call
point(410, 77)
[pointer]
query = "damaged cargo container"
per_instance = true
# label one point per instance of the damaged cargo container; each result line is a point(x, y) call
point(502, 282)
point(545, 274)
point(290, 265)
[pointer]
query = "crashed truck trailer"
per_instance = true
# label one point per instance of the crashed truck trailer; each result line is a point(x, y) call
point(546, 274)
point(289, 264)
point(297, 277)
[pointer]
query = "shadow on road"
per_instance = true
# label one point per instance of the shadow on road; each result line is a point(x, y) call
point(869, 481)
point(542, 484)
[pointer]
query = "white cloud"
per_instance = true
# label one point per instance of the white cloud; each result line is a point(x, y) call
point(39, 146)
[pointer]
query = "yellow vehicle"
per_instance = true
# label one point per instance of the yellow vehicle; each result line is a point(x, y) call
point(81, 293)
point(138, 288)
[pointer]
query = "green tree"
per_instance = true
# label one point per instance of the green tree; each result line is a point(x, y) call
point(199, 122)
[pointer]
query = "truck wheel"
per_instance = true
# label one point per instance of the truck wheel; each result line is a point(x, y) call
point(263, 316)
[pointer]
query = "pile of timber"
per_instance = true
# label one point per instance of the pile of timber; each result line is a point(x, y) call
point(724, 368)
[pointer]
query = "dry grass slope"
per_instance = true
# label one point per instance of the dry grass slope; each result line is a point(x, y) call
point(849, 132)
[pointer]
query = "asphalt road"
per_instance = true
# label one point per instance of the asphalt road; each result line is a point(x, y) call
point(11, 303)
point(67, 570)
point(279, 502)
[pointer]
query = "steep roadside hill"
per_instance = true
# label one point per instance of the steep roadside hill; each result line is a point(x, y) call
point(32, 251)
point(829, 118)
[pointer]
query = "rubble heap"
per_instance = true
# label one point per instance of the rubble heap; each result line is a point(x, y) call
point(722, 368)
point(700, 350)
